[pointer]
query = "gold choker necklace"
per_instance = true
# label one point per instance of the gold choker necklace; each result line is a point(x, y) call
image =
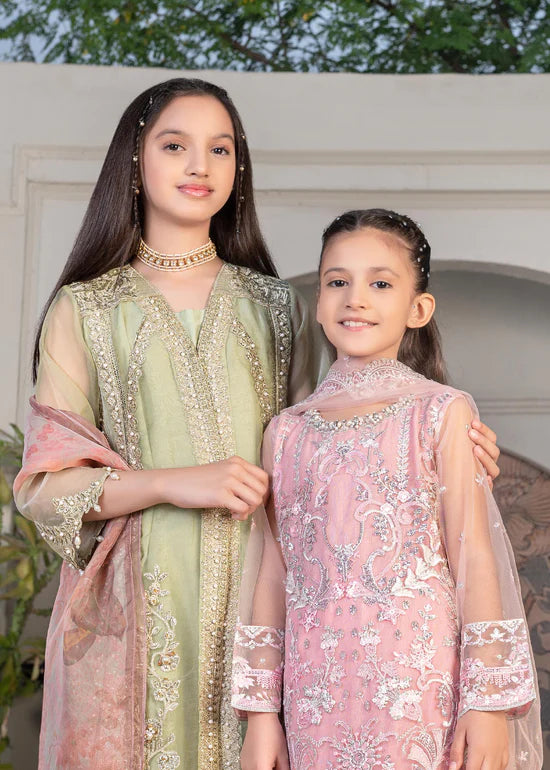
point(175, 262)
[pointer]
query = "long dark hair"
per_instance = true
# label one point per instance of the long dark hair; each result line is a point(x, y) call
point(420, 348)
point(109, 234)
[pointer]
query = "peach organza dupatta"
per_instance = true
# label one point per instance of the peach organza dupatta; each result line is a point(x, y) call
point(95, 678)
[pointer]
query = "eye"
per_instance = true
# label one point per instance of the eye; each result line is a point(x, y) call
point(381, 285)
point(220, 151)
point(173, 147)
point(337, 283)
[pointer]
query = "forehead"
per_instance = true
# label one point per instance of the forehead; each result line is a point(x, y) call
point(193, 113)
point(366, 247)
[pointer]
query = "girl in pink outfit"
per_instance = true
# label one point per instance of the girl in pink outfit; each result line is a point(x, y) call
point(381, 580)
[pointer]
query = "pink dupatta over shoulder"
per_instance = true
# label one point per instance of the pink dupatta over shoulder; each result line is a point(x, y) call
point(94, 689)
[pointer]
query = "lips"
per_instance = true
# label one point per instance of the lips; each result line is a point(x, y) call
point(356, 323)
point(195, 190)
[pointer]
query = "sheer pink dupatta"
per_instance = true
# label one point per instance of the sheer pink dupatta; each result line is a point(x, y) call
point(94, 690)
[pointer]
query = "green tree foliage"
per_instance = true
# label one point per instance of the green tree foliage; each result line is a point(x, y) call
point(397, 36)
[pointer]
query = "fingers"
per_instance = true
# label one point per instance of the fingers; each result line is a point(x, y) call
point(485, 430)
point(456, 756)
point(487, 461)
point(254, 477)
point(254, 470)
point(485, 443)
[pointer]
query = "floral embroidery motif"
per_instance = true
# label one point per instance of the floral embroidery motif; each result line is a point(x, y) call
point(163, 659)
point(496, 672)
point(359, 751)
point(65, 537)
point(257, 689)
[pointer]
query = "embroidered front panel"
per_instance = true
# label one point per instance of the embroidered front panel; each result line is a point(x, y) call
point(64, 537)
point(193, 384)
point(216, 702)
point(163, 659)
point(372, 644)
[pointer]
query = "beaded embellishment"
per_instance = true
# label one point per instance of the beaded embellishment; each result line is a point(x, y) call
point(315, 419)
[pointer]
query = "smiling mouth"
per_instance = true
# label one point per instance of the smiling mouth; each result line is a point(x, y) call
point(357, 324)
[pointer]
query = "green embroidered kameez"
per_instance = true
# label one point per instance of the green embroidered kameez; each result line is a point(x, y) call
point(173, 390)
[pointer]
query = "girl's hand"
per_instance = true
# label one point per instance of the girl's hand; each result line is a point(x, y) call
point(234, 484)
point(486, 448)
point(484, 737)
point(264, 746)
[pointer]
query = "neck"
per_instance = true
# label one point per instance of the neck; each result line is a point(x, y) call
point(168, 238)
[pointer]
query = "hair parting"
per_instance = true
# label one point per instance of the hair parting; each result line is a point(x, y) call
point(111, 228)
point(420, 348)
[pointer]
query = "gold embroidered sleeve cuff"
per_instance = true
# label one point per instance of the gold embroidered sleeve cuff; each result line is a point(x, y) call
point(66, 537)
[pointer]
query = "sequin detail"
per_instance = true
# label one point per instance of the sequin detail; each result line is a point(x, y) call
point(95, 300)
point(64, 538)
point(275, 296)
point(266, 397)
point(315, 419)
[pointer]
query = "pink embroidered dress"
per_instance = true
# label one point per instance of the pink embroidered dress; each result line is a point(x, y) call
point(382, 581)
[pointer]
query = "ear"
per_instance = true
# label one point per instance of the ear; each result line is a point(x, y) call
point(422, 309)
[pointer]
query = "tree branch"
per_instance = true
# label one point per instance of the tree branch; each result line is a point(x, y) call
point(233, 44)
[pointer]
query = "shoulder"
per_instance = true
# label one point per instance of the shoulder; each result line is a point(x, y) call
point(105, 291)
point(451, 410)
point(264, 289)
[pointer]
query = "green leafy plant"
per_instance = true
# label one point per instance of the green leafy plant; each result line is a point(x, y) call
point(26, 567)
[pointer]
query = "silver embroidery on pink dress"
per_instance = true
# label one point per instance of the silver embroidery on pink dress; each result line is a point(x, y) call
point(379, 521)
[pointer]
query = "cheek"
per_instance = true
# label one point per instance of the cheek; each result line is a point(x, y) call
point(325, 303)
point(228, 177)
point(152, 173)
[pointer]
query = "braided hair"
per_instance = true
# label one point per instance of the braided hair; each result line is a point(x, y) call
point(420, 348)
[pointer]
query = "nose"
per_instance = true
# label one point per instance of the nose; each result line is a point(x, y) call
point(356, 298)
point(197, 162)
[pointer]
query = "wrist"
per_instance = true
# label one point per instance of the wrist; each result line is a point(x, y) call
point(161, 487)
point(263, 716)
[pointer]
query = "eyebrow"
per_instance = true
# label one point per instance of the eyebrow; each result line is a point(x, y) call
point(370, 269)
point(177, 132)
